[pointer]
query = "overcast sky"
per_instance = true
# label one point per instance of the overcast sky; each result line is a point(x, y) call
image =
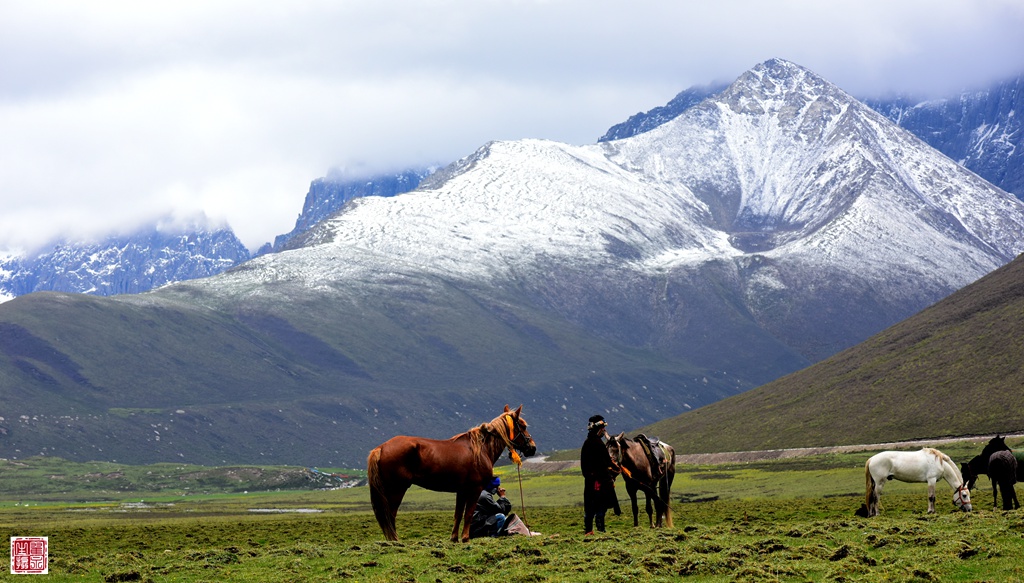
point(115, 113)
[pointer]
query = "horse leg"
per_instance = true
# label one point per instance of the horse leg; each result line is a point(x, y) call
point(1009, 495)
point(467, 518)
point(631, 490)
point(664, 488)
point(874, 509)
point(650, 511)
point(465, 504)
point(931, 496)
point(995, 493)
point(660, 507)
point(460, 510)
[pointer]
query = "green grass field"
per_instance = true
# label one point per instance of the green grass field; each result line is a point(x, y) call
point(784, 520)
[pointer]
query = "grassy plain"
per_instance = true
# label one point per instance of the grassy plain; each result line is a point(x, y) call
point(782, 520)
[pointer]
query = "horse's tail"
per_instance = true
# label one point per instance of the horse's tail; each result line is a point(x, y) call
point(869, 486)
point(379, 501)
point(668, 505)
point(666, 479)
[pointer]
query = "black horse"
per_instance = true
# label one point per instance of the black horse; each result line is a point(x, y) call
point(979, 464)
point(1002, 471)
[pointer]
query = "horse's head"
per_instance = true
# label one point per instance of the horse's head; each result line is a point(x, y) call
point(617, 450)
point(615, 445)
point(969, 474)
point(962, 498)
point(519, 437)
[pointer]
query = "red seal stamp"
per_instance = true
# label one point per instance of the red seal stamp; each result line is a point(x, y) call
point(30, 555)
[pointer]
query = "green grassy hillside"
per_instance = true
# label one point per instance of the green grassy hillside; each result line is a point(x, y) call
point(956, 368)
point(262, 377)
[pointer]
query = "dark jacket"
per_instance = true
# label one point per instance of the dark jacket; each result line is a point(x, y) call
point(487, 506)
point(595, 462)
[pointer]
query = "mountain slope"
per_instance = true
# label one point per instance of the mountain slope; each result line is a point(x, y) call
point(953, 369)
point(768, 227)
point(646, 121)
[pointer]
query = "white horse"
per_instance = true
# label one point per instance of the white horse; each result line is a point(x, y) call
point(927, 465)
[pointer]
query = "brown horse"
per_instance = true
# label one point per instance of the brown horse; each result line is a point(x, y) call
point(638, 474)
point(462, 464)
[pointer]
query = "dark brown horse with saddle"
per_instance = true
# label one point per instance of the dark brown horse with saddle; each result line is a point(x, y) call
point(462, 464)
point(650, 466)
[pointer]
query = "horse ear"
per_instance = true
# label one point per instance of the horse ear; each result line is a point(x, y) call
point(519, 410)
point(620, 436)
point(507, 409)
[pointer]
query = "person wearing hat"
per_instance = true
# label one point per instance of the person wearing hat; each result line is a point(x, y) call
point(598, 476)
point(491, 510)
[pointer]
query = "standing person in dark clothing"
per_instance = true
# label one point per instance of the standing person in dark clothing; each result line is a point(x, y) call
point(491, 511)
point(598, 474)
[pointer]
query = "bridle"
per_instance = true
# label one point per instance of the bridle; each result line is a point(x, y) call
point(510, 439)
point(510, 443)
point(617, 461)
point(958, 496)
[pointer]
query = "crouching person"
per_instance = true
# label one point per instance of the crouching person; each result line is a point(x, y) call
point(491, 511)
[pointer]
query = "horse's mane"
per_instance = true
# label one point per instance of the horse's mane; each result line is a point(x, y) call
point(945, 460)
point(476, 434)
point(995, 444)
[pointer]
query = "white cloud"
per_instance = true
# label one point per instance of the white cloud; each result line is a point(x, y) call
point(116, 112)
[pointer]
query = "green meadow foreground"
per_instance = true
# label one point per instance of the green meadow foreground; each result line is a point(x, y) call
point(783, 520)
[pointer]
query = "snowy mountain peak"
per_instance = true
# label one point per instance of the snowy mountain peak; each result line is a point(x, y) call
point(781, 88)
point(787, 162)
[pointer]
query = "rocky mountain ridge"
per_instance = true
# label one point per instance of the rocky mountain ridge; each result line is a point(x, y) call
point(123, 264)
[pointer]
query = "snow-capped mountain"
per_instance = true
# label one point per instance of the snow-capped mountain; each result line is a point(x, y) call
point(327, 195)
point(983, 130)
point(123, 264)
point(795, 192)
point(159, 255)
point(773, 224)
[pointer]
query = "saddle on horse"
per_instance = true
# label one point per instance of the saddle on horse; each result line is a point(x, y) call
point(655, 454)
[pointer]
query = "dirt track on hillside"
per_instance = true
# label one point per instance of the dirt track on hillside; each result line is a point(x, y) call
point(542, 464)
